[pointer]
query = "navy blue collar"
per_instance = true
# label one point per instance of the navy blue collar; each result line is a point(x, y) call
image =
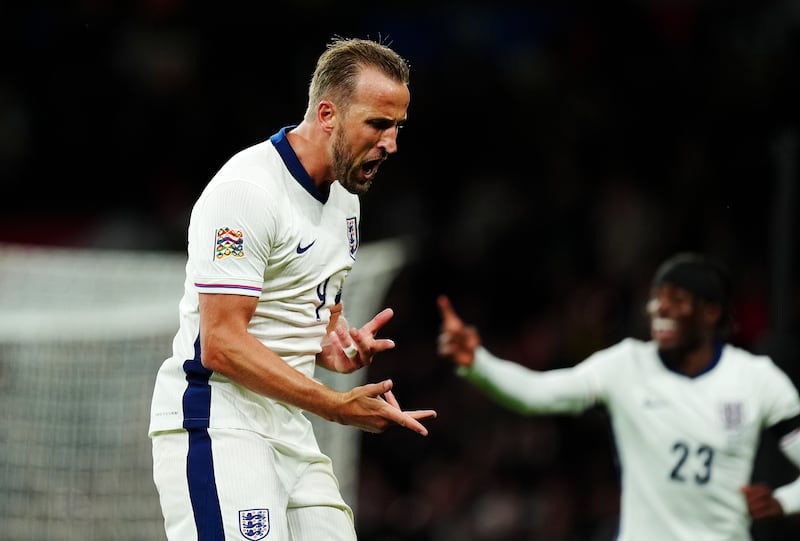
point(293, 164)
point(709, 367)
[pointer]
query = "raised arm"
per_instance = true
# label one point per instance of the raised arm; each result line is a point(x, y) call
point(457, 341)
point(510, 384)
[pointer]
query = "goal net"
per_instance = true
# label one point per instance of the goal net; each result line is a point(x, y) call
point(82, 335)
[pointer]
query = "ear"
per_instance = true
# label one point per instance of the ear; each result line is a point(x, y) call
point(326, 116)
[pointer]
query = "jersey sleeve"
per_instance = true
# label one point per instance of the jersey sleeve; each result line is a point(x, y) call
point(526, 391)
point(779, 395)
point(230, 232)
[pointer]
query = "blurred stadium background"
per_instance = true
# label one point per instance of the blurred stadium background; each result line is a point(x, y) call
point(592, 139)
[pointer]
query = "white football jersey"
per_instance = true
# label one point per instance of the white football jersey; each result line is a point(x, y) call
point(260, 228)
point(686, 445)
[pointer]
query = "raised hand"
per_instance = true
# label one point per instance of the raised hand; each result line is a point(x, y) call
point(457, 341)
point(346, 349)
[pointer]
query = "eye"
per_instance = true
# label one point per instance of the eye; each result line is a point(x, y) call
point(381, 123)
point(682, 296)
point(384, 124)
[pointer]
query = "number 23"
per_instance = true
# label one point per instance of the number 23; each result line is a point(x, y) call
point(681, 470)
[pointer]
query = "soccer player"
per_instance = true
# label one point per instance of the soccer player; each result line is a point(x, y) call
point(270, 242)
point(687, 409)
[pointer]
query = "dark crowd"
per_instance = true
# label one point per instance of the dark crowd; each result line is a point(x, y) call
point(554, 154)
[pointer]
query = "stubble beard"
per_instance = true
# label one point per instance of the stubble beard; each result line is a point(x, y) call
point(347, 173)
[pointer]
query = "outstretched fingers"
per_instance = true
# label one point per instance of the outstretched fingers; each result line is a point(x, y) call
point(366, 342)
point(394, 414)
point(456, 340)
point(408, 419)
point(361, 342)
point(376, 323)
point(416, 414)
point(452, 327)
point(450, 320)
point(390, 398)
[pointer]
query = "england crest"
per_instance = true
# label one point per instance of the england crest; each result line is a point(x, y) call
point(732, 415)
point(352, 236)
point(254, 523)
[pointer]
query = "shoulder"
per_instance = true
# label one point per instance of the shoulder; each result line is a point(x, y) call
point(752, 364)
point(622, 358)
point(763, 381)
point(627, 348)
point(759, 372)
point(251, 173)
point(254, 152)
point(258, 163)
point(247, 193)
point(746, 360)
point(615, 370)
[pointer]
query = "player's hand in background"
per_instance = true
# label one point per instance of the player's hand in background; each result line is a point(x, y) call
point(457, 341)
point(760, 501)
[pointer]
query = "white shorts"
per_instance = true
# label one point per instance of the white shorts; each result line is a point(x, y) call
point(227, 484)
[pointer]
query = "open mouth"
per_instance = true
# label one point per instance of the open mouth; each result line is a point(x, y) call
point(371, 167)
point(662, 327)
point(664, 324)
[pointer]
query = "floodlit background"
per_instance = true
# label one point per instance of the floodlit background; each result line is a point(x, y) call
point(554, 154)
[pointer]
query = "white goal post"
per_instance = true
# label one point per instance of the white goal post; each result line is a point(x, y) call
point(82, 335)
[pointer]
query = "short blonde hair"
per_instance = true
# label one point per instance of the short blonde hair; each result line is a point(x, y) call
point(338, 67)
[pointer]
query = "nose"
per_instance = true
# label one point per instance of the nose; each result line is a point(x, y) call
point(659, 305)
point(388, 140)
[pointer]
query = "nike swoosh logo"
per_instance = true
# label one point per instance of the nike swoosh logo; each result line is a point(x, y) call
point(304, 249)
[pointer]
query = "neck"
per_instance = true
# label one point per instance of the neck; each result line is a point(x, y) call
point(693, 360)
point(310, 146)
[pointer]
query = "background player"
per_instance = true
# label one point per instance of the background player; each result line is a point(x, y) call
point(271, 240)
point(687, 409)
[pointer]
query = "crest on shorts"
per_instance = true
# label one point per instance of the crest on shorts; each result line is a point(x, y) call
point(229, 243)
point(254, 523)
point(352, 236)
